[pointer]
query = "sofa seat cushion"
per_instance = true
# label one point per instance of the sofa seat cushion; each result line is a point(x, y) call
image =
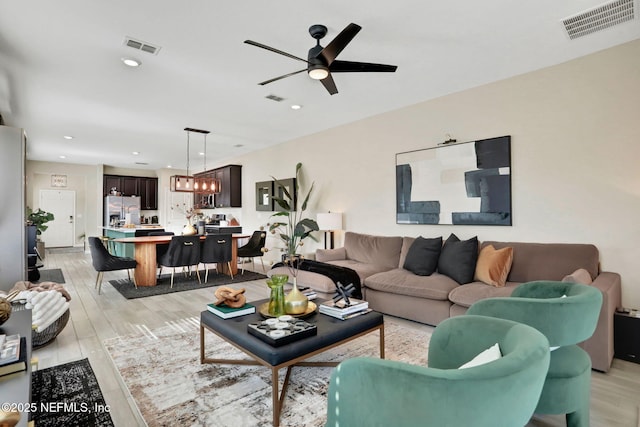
point(402, 282)
point(364, 270)
point(465, 295)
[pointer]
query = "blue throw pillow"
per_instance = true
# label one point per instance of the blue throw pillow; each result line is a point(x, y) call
point(458, 259)
point(422, 256)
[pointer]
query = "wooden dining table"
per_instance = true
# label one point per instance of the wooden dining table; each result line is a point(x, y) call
point(145, 254)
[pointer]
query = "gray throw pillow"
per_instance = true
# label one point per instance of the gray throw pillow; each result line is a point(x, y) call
point(422, 256)
point(458, 259)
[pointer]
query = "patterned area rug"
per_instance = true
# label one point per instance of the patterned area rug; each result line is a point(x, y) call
point(72, 395)
point(181, 283)
point(162, 370)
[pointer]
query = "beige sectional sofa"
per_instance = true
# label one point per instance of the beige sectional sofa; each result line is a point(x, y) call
point(391, 289)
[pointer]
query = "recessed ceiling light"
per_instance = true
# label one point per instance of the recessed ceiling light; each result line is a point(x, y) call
point(67, 137)
point(201, 154)
point(239, 145)
point(296, 107)
point(169, 166)
point(62, 157)
point(131, 62)
point(135, 153)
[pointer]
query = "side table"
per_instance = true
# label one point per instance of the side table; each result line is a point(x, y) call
point(626, 327)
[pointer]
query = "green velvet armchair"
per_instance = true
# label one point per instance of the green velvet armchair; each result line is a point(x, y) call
point(567, 314)
point(374, 392)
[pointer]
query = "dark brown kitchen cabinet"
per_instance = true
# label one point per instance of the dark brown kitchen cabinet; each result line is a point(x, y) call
point(149, 193)
point(130, 186)
point(230, 196)
point(144, 187)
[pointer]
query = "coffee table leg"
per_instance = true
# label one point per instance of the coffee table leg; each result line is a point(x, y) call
point(201, 344)
point(382, 341)
point(274, 397)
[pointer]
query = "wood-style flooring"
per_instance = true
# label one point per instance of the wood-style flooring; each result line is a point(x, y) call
point(615, 397)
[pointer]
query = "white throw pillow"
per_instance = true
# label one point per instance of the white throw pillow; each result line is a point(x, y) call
point(489, 355)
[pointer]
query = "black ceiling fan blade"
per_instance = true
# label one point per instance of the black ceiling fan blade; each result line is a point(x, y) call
point(281, 77)
point(329, 84)
point(360, 67)
point(341, 41)
point(273, 49)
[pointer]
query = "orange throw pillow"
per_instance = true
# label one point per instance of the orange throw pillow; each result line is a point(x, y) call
point(494, 265)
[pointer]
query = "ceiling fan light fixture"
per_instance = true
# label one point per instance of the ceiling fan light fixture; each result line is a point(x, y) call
point(318, 72)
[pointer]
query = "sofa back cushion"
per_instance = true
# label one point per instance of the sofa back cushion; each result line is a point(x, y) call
point(381, 250)
point(548, 261)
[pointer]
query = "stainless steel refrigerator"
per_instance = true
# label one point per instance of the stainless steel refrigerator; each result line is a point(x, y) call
point(119, 209)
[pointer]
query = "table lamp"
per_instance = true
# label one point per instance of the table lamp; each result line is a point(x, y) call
point(329, 222)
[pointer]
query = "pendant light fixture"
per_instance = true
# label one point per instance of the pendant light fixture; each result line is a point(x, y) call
point(183, 183)
point(206, 183)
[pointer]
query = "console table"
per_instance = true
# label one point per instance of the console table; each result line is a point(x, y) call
point(16, 388)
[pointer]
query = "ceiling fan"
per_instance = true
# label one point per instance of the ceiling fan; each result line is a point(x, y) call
point(321, 61)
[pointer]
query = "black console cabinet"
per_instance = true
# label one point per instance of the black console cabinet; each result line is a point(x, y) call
point(627, 336)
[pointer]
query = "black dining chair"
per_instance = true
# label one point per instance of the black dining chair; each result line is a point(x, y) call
point(103, 261)
point(161, 248)
point(216, 248)
point(254, 248)
point(183, 251)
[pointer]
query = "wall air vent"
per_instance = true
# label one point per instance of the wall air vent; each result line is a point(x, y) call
point(140, 45)
point(275, 98)
point(599, 18)
point(141, 163)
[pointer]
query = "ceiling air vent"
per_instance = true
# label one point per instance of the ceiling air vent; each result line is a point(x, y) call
point(599, 18)
point(140, 45)
point(275, 98)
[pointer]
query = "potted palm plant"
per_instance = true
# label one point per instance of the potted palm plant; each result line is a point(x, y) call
point(293, 228)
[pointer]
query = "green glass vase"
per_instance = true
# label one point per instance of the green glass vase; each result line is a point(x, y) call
point(276, 299)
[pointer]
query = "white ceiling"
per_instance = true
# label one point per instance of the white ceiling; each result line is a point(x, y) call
point(61, 74)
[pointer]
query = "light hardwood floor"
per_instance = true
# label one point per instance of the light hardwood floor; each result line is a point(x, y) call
point(615, 399)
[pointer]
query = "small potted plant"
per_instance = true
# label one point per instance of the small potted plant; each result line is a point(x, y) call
point(39, 219)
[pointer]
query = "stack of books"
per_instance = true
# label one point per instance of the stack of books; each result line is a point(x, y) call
point(341, 310)
point(227, 312)
point(13, 354)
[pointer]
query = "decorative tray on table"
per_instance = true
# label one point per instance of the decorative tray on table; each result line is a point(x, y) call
point(282, 330)
point(263, 309)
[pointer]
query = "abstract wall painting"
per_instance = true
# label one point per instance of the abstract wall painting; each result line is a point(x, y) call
point(460, 184)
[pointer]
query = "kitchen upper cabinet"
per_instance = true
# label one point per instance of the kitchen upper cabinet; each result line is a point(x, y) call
point(145, 187)
point(130, 186)
point(149, 193)
point(230, 195)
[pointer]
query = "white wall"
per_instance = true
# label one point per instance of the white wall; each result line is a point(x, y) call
point(575, 147)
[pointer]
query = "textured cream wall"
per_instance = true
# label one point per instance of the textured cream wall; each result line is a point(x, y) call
point(575, 148)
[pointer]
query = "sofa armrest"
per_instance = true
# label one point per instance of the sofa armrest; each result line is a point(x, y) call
point(600, 345)
point(325, 255)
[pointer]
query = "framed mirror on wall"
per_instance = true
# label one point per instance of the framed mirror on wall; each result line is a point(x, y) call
point(278, 191)
point(461, 184)
point(264, 193)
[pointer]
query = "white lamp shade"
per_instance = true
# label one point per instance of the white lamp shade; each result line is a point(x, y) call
point(329, 221)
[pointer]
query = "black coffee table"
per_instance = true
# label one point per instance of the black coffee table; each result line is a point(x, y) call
point(331, 333)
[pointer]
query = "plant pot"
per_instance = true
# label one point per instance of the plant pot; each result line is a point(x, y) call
point(189, 230)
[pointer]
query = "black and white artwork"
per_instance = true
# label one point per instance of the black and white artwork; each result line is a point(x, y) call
point(461, 184)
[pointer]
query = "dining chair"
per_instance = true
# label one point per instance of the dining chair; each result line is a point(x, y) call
point(216, 248)
point(254, 248)
point(183, 251)
point(161, 248)
point(103, 261)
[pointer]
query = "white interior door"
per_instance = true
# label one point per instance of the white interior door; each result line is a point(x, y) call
point(62, 204)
